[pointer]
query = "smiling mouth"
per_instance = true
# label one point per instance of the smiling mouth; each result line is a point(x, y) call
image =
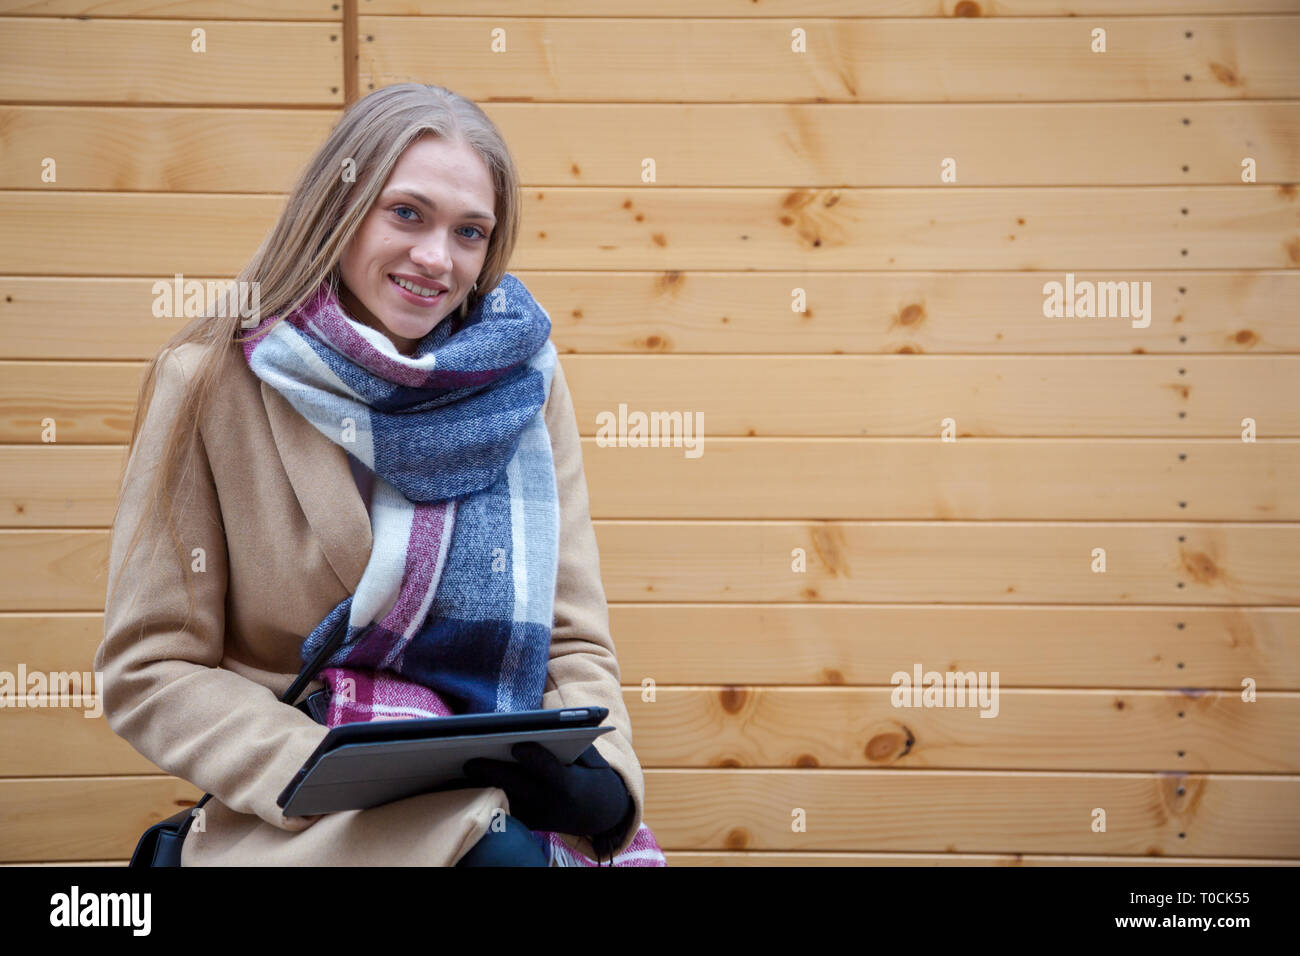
point(430, 294)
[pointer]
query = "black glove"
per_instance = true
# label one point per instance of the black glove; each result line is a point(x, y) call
point(586, 798)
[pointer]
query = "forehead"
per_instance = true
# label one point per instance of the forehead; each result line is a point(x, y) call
point(445, 171)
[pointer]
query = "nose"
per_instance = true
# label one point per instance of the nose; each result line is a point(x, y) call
point(432, 255)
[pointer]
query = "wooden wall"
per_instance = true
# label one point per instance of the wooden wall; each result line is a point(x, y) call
point(757, 689)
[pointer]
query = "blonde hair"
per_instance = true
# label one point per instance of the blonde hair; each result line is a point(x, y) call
point(303, 249)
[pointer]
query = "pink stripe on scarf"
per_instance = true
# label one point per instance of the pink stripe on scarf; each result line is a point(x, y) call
point(426, 556)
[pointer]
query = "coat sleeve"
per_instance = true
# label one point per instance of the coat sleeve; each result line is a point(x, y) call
point(583, 669)
point(165, 691)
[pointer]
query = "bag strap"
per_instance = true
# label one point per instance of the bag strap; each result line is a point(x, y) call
point(340, 631)
point(290, 696)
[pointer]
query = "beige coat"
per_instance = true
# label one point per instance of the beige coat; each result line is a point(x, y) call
point(285, 537)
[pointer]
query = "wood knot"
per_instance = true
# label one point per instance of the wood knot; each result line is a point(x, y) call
point(830, 546)
point(966, 8)
point(885, 746)
point(733, 699)
point(1200, 566)
point(670, 279)
point(1225, 74)
point(911, 314)
point(737, 838)
point(806, 760)
point(1245, 337)
point(831, 676)
point(797, 198)
point(1293, 250)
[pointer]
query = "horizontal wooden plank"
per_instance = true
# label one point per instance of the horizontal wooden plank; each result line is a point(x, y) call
point(842, 60)
point(812, 397)
point(47, 60)
point(847, 561)
point(189, 9)
point(961, 811)
point(220, 230)
point(70, 486)
point(1168, 815)
point(729, 313)
point(825, 8)
point(943, 562)
point(36, 491)
point(47, 734)
point(1059, 646)
point(1038, 229)
point(96, 405)
point(1049, 729)
point(907, 479)
point(85, 818)
point(1020, 144)
point(1142, 396)
point(251, 150)
point(1186, 649)
point(151, 148)
point(72, 731)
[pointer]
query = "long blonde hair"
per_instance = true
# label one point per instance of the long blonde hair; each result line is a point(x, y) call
point(303, 249)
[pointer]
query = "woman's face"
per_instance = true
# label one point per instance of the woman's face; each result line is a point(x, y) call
point(429, 226)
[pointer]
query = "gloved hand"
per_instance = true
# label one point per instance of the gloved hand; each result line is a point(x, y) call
point(585, 798)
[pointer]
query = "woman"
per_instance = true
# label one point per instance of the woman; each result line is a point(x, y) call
point(394, 445)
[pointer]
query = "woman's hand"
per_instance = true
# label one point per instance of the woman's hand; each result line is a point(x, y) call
point(584, 798)
point(298, 824)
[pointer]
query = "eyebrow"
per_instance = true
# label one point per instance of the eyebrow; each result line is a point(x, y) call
point(421, 197)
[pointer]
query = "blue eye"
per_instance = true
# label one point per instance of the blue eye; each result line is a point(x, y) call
point(398, 210)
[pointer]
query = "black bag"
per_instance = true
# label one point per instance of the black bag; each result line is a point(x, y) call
point(160, 845)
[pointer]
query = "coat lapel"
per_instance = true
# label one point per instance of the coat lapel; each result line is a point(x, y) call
point(322, 480)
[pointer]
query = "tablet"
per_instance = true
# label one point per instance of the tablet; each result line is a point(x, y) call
point(366, 764)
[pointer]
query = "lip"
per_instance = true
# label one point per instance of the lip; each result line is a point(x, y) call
point(420, 281)
point(418, 300)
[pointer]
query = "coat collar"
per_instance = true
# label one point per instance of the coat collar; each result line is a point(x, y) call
point(322, 479)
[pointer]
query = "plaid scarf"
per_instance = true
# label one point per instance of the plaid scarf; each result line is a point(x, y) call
point(440, 623)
